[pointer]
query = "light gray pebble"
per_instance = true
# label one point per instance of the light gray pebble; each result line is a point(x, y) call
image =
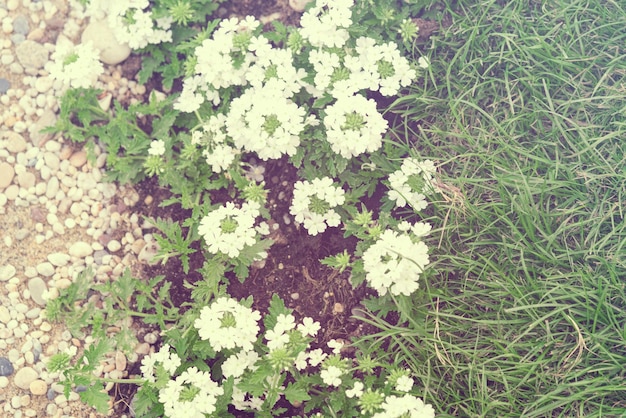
point(37, 287)
point(46, 269)
point(24, 377)
point(58, 259)
point(80, 249)
point(7, 272)
point(31, 54)
point(21, 25)
point(17, 38)
point(22, 234)
point(5, 315)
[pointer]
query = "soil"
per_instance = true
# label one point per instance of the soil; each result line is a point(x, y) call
point(292, 269)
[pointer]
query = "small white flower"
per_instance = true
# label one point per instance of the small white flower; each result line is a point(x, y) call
point(412, 183)
point(313, 202)
point(354, 126)
point(394, 263)
point(356, 391)
point(75, 66)
point(228, 229)
point(169, 361)
point(404, 384)
point(157, 147)
point(316, 357)
point(407, 405)
point(202, 404)
point(309, 327)
point(335, 345)
point(331, 376)
point(226, 324)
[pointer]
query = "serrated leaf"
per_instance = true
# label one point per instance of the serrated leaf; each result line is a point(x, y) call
point(277, 307)
point(296, 393)
point(96, 398)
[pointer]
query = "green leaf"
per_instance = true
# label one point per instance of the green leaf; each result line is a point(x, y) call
point(96, 398)
point(296, 393)
point(277, 307)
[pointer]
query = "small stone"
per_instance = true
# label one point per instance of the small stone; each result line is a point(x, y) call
point(5, 315)
point(103, 38)
point(80, 249)
point(36, 34)
point(37, 287)
point(5, 85)
point(31, 54)
point(21, 25)
point(15, 142)
point(43, 84)
point(22, 234)
point(78, 159)
point(6, 174)
point(24, 377)
point(338, 308)
point(58, 259)
point(6, 368)
point(150, 338)
point(47, 118)
point(38, 387)
point(52, 188)
point(114, 245)
point(120, 361)
point(46, 269)
point(26, 180)
point(7, 272)
point(295, 296)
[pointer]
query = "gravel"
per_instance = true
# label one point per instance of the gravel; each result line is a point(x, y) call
point(54, 210)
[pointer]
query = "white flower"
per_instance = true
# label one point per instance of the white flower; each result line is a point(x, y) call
point(227, 324)
point(157, 147)
point(276, 339)
point(408, 405)
point(325, 24)
point(75, 66)
point(423, 62)
point(300, 361)
point(203, 403)
point(356, 391)
point(228, 230)
point(284, 323)
point(313, 202)
point(309, 327)
point(169, 361)
point(394, 263)
point(316, 357)
point(264, 121)
point(331, 376)
point(354, 126)
point(404, 384)
point(335, 345)
point(135, 26)
point(237, 364)
point(412, 183)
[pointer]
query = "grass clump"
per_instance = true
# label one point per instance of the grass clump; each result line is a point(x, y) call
point(526, 316)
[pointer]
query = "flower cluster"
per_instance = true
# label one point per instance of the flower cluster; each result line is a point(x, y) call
point(226, 324)
point(313, 204)
point(192, 394)
point(131, 22)
point(395, 262)
point(218, 150)
point(326, 23)
point(228, 229)
point(163, 358)
point(412, 183)
point(354, 126)
point(75, 65)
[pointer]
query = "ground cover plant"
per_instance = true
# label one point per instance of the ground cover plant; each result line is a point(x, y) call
point(476, 181)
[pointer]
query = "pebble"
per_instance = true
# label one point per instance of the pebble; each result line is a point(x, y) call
point(21, 25)
point(15, 142)
point(37, 287)
point(6, 368)
point(24, 377)
point(5, 85)
point(78, 159)
point(46, 269)
point(26, 180)
point(6, 174)
point(5, 315)
point(58, 259)
point(31, 55)
point(114, 245)
point(7, 272)
point(103, 38)
point(80, 249)
point(38, 387)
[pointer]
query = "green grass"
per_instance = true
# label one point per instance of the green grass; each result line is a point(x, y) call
point(524, 311)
